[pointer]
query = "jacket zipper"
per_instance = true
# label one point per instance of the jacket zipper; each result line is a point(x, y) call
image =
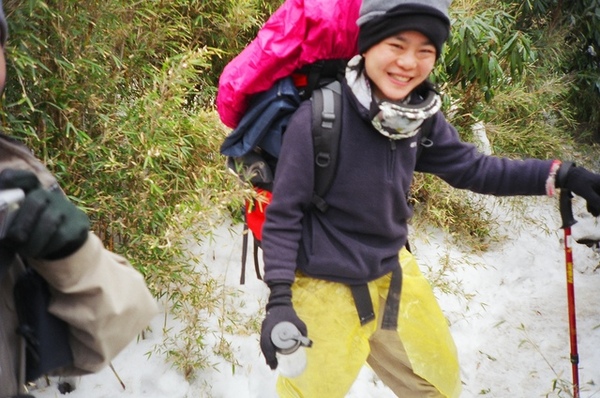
point(392, 160)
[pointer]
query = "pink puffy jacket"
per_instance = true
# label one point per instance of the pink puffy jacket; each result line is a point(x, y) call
point(298, 33)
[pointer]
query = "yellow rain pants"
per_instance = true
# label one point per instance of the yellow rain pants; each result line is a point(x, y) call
point(417, 360)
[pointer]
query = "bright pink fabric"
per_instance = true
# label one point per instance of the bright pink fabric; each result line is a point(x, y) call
point(298, 33)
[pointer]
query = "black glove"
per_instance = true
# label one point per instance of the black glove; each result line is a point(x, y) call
point(47, 225)
point(581, 182)
point(279, 309)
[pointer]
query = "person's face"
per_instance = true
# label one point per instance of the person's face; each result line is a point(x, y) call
point(398, 64)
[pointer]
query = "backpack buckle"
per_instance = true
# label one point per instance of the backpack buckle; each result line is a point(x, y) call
point(322, 159)
point(327, 119)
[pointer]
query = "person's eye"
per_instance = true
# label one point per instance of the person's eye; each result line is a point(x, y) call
point(396, 45)
point(427, 51)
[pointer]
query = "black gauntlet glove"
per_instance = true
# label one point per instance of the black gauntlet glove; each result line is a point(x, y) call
point(279, 309)
point(581, 182)
point(47, 225)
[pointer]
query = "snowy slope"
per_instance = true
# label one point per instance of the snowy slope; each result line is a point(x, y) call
point(507, 309)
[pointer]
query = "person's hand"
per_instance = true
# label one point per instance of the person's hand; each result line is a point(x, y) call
point(47, 225)
point(279, 309)
point(581, 182)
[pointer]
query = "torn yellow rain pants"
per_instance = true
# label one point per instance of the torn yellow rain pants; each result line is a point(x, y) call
point(417, 360)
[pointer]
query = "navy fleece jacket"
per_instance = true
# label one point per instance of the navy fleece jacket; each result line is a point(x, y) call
point(358, 238)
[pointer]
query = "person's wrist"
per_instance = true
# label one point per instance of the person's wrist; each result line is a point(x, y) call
point(281, 294)
point(69, 249)
point(551, 180)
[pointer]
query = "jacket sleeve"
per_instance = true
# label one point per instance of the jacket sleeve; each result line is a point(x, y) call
point(292, 194)
point(462, 166)
point(102, 297)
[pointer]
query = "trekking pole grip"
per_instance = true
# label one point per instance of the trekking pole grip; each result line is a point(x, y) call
point(566, 208)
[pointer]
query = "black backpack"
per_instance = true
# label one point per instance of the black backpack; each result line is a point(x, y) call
point(252, 149)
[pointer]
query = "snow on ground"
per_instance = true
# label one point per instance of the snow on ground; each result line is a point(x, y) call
point(507, 309)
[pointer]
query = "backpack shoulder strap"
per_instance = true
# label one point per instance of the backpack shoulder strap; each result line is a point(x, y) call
point(426, 129)
point(326, 131)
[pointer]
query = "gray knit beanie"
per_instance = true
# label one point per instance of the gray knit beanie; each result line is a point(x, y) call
point(3, 26)
point(380, 19)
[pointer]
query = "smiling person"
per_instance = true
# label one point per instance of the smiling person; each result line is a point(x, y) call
point(336, 274)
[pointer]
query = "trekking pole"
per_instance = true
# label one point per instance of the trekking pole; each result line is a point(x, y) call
point(566, 214)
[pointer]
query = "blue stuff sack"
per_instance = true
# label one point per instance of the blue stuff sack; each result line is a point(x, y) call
point(265, 121)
